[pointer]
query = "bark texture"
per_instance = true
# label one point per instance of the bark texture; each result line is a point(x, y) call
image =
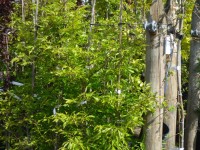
point(171, 79)
point(194, 78)
point(155, 76)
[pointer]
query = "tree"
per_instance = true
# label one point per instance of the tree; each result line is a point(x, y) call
point(193, 97)
point(87, 91)
point(5, 65)
point(78, 82)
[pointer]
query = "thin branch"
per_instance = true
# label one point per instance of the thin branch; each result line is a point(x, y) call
point(23, 11)
point(120, 43)
point(35, 21)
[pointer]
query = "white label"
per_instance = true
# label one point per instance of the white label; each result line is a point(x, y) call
point(16, 83)
point(83, 102)
point(54, 111)
point(178, 68)
point(118, 91)
point(167, 45)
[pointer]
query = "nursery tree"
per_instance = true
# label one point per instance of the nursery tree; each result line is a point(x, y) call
point(81, 84)
point(77, 68)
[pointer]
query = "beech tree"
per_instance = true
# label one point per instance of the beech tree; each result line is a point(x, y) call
point(71, 74)
point(77, 77)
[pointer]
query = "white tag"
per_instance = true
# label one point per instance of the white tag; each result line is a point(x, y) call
point(118, 91)
point(83, 102)
point(178, 68)
point(54, 111)
point(16, 83)
point(167, 45)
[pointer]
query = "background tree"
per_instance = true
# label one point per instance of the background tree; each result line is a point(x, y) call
point(5, 75)
point(77, 74)
point(77, 101)
point(193, 99)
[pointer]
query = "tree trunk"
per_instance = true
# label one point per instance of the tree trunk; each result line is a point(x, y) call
point(155, 76)
point(193, 96)
point(79, 2)
point(5, 67)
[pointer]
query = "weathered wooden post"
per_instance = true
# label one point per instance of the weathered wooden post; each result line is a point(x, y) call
point(155, 74)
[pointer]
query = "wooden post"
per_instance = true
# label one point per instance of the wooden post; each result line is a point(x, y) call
point(180, 99)
point(155, 76)
point(171, 86)
point(194, 86)
point(171, 99)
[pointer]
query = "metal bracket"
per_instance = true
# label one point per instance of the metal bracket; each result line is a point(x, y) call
point(172, 30)
point(179, 36)
point(151, 26)
point(195, 33)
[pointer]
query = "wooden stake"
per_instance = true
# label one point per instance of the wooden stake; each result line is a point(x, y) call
point(171, 85)
point(180, 100)
point(155, 76)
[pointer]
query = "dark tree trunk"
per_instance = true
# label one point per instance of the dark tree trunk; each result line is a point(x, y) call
point(79, 2)
point(5, 10)
point(194, 92)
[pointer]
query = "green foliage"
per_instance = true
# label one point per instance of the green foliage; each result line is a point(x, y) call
point(77, 73)
point(185, 46)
